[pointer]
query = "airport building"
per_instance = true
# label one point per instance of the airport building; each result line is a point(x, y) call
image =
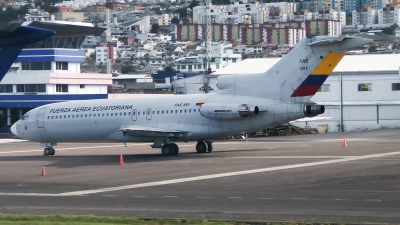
point(362, 93)
point(49, 71)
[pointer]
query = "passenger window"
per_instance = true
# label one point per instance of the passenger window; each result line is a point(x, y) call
point(180, 111)
point(120, 113)
point(102, 115)
point(162, 111)
point(185, 110)
point(112, 114)
point(176, 111)
point(129, 113)
point(172, 111)
point(81, 115)
point(94, 115)
point(138, 113)
point(107, 114)
point(48, 117)
point(69, 116)
point(90, 115)
point(190, 110)
point(194, 110)
point(144, 113)
point(52, 117)
point(148, 112)
point(72, 116)
point(134, 113)
point(158, 112)
point(98, 115)
point(154, 112)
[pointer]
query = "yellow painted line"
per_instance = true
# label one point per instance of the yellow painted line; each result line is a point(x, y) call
point(328, 64)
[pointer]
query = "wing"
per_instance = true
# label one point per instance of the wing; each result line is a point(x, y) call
point(153, 132)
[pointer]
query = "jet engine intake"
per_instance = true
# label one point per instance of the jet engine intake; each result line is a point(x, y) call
point(228, 111)
point(311, 110)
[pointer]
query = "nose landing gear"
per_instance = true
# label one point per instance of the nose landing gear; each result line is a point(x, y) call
point(49, 151)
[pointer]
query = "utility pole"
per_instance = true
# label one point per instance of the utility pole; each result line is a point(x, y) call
point(207, 33)
point(108, 36)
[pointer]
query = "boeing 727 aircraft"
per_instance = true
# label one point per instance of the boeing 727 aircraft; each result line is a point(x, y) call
point(245, 103)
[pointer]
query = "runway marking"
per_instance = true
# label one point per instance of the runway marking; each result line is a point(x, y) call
point(170, 196)
point(235, 197)
point(109, 195)
point(207, 177)
point(339, 199)
point(373, 200)
point(291, 157)
point(300, 198)
point(266, 198)
point(139, 196)
point(203, 197)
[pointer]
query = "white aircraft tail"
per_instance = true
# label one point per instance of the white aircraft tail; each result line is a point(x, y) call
point(299, 74)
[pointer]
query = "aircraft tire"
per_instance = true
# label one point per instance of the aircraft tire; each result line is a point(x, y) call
point(47, 151)
point(167, 149)
point(52, 151)
point(209, 146)
point(176, 149)
point(201, 147)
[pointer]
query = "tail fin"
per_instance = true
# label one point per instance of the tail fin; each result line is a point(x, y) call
point(12, 39)
point(298, 75)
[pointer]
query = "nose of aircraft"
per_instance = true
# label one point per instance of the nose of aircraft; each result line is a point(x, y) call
point(14, 129)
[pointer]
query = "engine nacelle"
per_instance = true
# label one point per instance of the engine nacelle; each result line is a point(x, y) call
point(228, 111)
point(312, 109)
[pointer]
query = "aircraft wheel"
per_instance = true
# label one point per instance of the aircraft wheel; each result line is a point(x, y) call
point(201, 147)
point(176, 149)
point(167, 149)
point(209, 146)
point(47, 151)
point(52, 151)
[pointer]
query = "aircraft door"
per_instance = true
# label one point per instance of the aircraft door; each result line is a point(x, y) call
point(40, 118)
point(134, 114)
point(148, 114)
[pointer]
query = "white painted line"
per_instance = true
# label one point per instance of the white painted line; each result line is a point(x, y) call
point(64, 149)
point(234, 197)
point(291, 157)
point(373, 200)
point(139, 196)
point(109, 195)
point(211, 176)
point(339, 199)
point(203, 197)
point(266, 198)
point(9, 140)
point(300, 198)
point(170, 196)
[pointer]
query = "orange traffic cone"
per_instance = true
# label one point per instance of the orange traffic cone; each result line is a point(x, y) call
point(344, 142)
point(43, 171)
point(121, 160)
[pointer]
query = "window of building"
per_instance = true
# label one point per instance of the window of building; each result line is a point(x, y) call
point(81, 86)
point(6, 88)
point(233, 60)
point(325, 88)
point(31, 88)
point(36, 65)
point(61, 87)
point(189, 67)
point(184, 67)
point(395, 87)
point(61, 65)
point(365, 87)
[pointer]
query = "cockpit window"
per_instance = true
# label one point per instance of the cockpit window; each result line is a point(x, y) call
point(25, 117)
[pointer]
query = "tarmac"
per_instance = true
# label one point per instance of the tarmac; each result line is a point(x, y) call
point(304, 178)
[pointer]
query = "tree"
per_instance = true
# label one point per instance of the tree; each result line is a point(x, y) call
point(193, 4)
point(372, 48)
point(127, 68)
point(185, 20)
point(175, 21)
point(182, 12)
point(155, 28)
point(169, 68)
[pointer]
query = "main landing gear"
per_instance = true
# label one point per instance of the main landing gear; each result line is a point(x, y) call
point(49, 151)
point(172, 149)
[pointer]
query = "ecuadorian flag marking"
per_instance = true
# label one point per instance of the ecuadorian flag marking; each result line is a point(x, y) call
point(317, 77)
